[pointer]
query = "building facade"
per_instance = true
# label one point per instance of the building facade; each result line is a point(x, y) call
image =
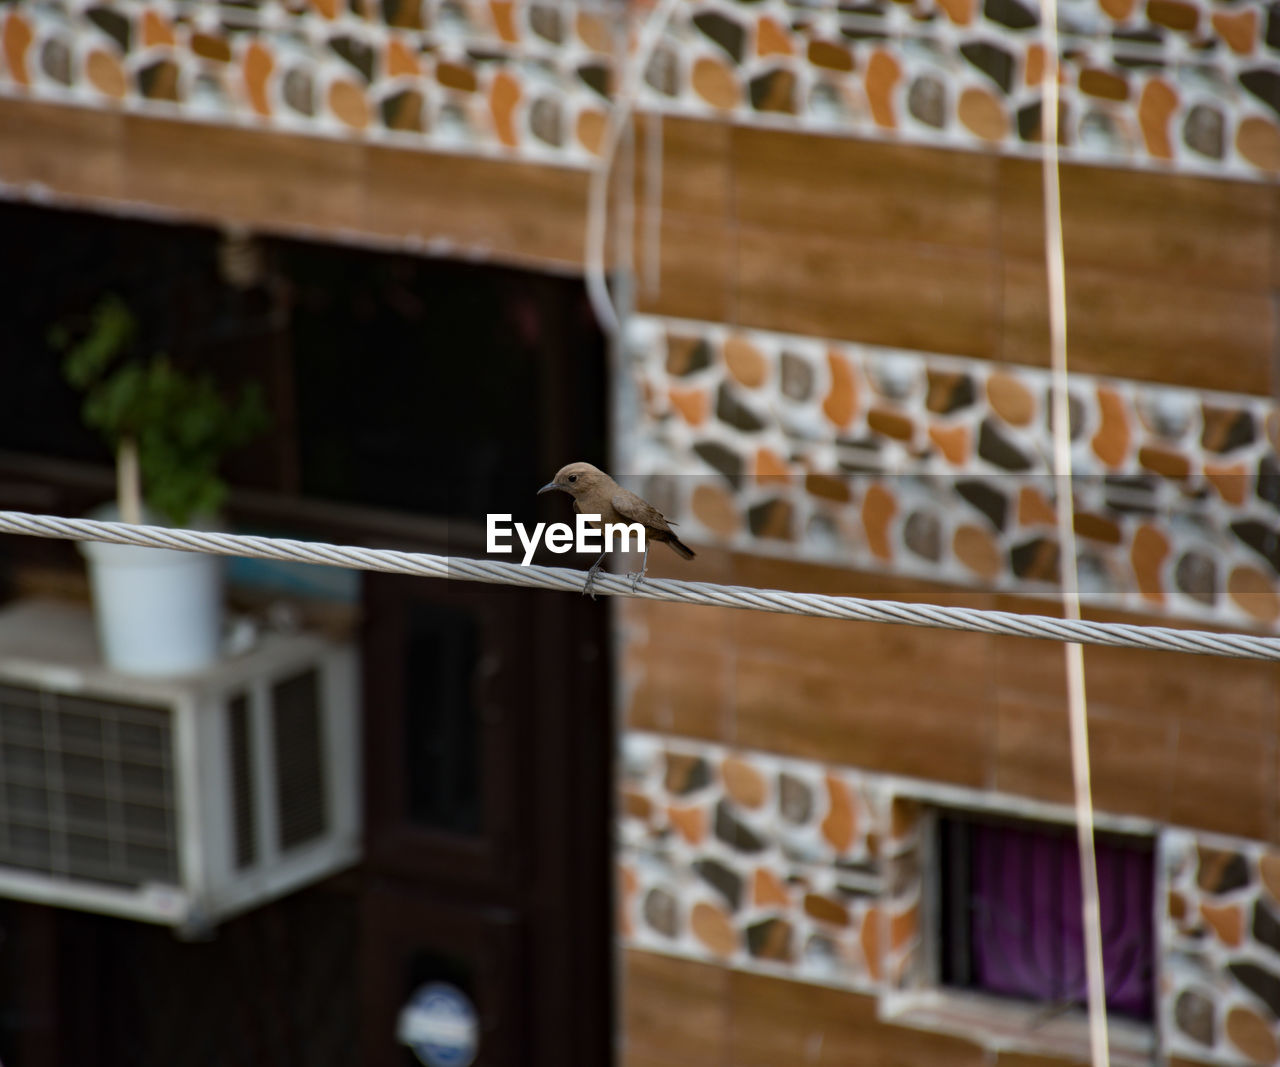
point(836, 842)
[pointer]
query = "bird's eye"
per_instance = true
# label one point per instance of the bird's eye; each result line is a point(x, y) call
point(573, 478)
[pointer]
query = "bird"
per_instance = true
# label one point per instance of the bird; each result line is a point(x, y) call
point(595, 493)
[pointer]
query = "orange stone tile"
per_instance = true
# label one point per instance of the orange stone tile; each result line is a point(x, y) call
point(744, 784)
point(504, 20)
point(1156, 106)
point(840, 827)
point(1034, 508)
point(716, 510)
point(883, 74)
point(1226, 920)
point(348, 102)
point(401, 59)
point(156, 29)
point(842, 400)
point(690, 823)
point(770, 467)
point(17, 38)
point(1230, 481)
point(768, 890)
point(1164, 461)
point(1254, 593)
point(714, 929)
point(1176, 14)
point(1118, 9)
point(456, 76)
point(627, 881)
point(959, 11)
point(1239, 29)
point(1103, 84)
point(878, 510)
point(1111, 442)
point(904, 926)
point(594, 31)
point(891, 424)
point(636, 805)
point(257, 66)
point(693, 404)
point(952, 441)
point(1149, 551)
point(745, 362)
point(982, 114)
point(826, 910)
point(771, 38)
point(715, 83)
point(504, 96)
point(1010, 399)
point(590, 127)
point(328, 8)
point(106, 74)
point(1258, 140)
point(830, 56)
point(1033, 71)
point(978, 551)
point(1252, 1035)
point(828, 487)
point(870, 939)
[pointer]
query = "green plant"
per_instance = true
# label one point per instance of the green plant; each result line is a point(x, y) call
point(177, 425)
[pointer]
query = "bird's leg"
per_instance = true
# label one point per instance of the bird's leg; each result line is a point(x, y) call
point(644, 569)
point(591, 575)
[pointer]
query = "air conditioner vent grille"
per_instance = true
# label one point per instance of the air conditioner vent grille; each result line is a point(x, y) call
point(243, 793)
point(297, 723)
point(87, 788)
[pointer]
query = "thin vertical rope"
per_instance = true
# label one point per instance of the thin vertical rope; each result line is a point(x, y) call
point(598, 191)
point(1077, 703)
point(653, 206)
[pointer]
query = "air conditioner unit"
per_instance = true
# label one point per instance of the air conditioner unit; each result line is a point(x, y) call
point(176, 801)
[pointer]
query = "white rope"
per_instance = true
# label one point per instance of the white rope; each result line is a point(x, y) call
point(1077, 703)
point(494, 572)
point(598, 191)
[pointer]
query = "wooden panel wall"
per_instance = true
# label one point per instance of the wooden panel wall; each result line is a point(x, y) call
point(679, 1013)
point(1190, 740)
point(1170, 278)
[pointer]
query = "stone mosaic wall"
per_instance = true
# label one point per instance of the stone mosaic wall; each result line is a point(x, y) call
point(817, 873)
point(939, 467)
point(760, 862)
point(1188, 84)
point(506, 77)
point(1221, 943)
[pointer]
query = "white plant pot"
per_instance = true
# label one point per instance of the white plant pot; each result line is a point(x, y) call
point(158, 611)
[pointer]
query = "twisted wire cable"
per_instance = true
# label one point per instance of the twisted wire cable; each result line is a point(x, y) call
point(496, 572)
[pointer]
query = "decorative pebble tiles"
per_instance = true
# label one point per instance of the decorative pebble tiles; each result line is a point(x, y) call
point(1221, 945)
point(820, 873)
point(520, 78)
point(939, 467)
point(1192, 85)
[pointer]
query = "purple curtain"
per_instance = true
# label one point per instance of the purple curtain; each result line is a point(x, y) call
point(1026, 925)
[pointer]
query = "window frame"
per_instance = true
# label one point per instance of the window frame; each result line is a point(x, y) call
point(989, 1019)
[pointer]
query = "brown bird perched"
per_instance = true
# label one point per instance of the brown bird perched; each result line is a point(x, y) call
point(595, 493)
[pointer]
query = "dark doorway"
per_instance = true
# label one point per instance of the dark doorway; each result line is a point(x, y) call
point(409, 397)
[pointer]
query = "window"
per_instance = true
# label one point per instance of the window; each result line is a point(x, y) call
point(1011, 925)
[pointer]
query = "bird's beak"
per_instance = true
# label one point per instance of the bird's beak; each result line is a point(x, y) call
point(548, 487)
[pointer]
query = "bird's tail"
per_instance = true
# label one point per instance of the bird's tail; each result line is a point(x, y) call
point(681, 548)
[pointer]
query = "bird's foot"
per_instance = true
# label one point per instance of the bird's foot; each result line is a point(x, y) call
point(637, 577)
point(591, 581)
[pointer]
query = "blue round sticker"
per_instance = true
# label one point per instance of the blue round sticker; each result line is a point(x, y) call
point(441, 1026)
